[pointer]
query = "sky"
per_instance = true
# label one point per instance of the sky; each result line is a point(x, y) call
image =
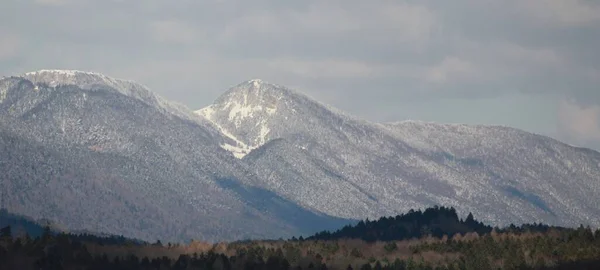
point(529, 64)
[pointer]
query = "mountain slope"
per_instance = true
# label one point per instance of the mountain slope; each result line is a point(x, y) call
point(96, 153)
point(528, 167)
point(343, 166)
point(101, 154)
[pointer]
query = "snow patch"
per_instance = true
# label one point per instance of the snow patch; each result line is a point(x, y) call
point(206, 112)
point(264, 132)
point(237, 113)
point(238, 152)
point(70, 73)
point(256, 83)
point(240, 149)
point(271, 111)
point(240, 111)
point(245, 103)
point(3, 93)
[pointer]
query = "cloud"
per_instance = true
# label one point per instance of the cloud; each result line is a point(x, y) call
point(580, 124)
point(170, 31)
point(567, 13)
point(326, 68)
point(542, 57)
point(333, 20)
point(51, 2)
point(451, 68)
point(362, 56)
point(10, 45)
point(410, 21)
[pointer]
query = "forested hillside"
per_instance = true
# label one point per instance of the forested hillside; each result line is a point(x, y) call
point(263, 161)
point(436, 221)
point(515, 247)
point(20, 225)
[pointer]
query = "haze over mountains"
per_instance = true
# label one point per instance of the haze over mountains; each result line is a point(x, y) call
point(98, 153)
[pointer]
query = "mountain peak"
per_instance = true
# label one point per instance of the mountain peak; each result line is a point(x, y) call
point(93, 80)
point(256, 82)
point(54, 77)
point(90, 80)
point(253, 101)
point(256, 87)
point(253, 112)
point(250, 99)
point(65, 72)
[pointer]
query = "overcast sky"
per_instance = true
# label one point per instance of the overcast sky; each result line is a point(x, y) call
point(530, 64)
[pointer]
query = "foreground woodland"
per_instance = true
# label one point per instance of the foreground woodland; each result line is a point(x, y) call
point(432, 239)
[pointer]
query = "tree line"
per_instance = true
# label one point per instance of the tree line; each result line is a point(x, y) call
point(433, 239)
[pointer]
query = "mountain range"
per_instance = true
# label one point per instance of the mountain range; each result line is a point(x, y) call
point(91, 152)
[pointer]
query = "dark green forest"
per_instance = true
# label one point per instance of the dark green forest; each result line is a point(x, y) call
point(435, 238)
point(436, 221)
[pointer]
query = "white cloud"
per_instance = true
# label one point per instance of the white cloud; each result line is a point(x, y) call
point(171, 31)
point(578, 123)
point(564, 12)
point(9, 47)
point(321, 18)
point(326, 68)
point(52, 2)
point(536, 56)
point(593, 74)
point(399, 50)
point(410, 22)
point(492, 62)
point(260, 22)
point(451, 69)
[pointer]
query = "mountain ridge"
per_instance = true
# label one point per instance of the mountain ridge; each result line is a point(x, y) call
point(264, 156)
point(93, 80)
point(91, 152)
point(259, 99)
point(403, 165)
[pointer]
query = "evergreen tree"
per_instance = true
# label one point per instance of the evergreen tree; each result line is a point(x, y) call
point(377, 266)
point(6, 232)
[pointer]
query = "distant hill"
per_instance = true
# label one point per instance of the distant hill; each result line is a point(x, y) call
point(22, 224)
point(538, 247)
point(436, 221)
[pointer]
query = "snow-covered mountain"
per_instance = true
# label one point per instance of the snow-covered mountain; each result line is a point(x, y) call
point(333, 163)
point(102, 154)
point(96, 153)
